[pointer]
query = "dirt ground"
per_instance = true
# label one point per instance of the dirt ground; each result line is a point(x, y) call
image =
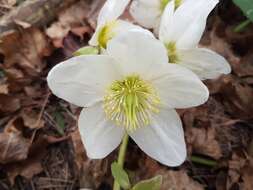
point(39, 141)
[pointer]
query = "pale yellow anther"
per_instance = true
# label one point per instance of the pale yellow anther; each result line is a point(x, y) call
point(130, 102)
point(106, 33)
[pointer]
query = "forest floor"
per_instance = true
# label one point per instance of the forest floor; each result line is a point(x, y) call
point(39, 141)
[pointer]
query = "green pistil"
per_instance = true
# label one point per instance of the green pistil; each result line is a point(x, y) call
point(129, 102)
point(163, 4)
point(172, 52)
point(105, 33)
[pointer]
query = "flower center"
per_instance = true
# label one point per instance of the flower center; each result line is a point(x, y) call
point(130, 102)
point(172, 52)
point(106, 33)
point(163, 4)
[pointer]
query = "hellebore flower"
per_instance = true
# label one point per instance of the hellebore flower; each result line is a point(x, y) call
point(148, 12)
point(132, 89)
point(108, 24)
point(181, 30)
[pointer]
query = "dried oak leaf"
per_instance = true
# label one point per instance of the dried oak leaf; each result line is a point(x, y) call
point(238, 98)
point(32, 165)
point(32, 46)
point(71, 19)
point(4, 89)
point(32, 119)
point(13, 146)
point(174, 180)
point(204, 141)
point(8, 103)
point(247, 175)
point(178, 180)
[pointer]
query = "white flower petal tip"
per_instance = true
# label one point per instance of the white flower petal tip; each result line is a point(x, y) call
point(111, 10)
point(99, 136)
point(163, 140)
point(206, 63)
point(74, 80)
point(146, 13)
point(186, 24)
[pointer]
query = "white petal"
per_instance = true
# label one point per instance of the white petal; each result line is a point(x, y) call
point(205, 63)
point(137, 52)
point(111, 10)
point(119, 28)
point(99, 136)
point(82, 80)
point(163, 140)
point(166, 25)
point(188, 23)
point(178, 87)
point(146, 13)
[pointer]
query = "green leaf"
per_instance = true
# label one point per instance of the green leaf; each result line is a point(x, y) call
point(150, 184)
point(120, 175)
point(59, 119)
point(246, 6)
point(87, 50)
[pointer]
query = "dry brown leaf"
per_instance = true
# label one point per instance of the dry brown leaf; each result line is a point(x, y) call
point(27, 168)
point(13, 146)
point(32, 119)
point(32, 165)
point(8, 103)
point(4, 89)
point(32, 46)
point(68, 19)
point(80, 154)
point(204, 141)
point(172, 180)
point(247, 175)
point(238, 98)
point(178, 180)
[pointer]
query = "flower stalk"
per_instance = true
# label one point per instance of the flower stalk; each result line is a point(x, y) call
point(121, 157)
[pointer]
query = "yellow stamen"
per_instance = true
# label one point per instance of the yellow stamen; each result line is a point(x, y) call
point(106, 33)
point(163, 4)
point(172, 52)
point(130, 102)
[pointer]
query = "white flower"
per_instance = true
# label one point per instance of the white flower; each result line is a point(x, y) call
point(130, 90)
point(181, 27)
point(108, 24)
point(148, 12)
point(181, 30)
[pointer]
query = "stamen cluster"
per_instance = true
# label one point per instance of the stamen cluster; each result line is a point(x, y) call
point(129, 102)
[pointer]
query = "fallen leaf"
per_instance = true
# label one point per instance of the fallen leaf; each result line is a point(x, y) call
point(238, 98)
point(178, 180)
point(28, 53)
point(32, 119)
point(8, 103)
point(4, 89)
point(70, 19)
point(204, 141)
point(247, 175)
point(13, 146)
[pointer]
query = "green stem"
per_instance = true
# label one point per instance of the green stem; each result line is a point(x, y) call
point(203, 161)
point(240, 27)
point(121, 157)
